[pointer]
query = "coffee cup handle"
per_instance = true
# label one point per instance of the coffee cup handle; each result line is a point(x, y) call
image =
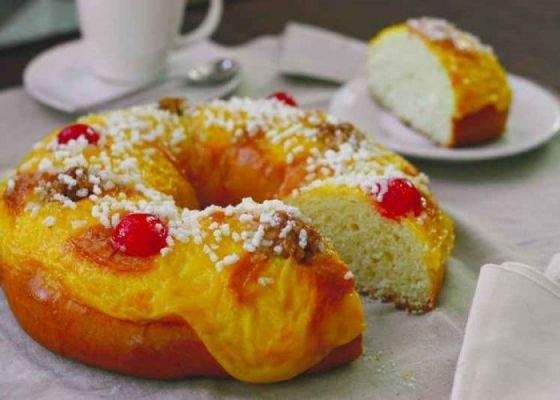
point(207, 27)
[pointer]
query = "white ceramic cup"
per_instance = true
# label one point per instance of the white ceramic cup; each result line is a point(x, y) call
point(128, 41)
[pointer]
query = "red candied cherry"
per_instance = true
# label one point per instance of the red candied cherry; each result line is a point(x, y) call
point(75, 131)
point(400, 198)
point(284, 98)
point(140, 235)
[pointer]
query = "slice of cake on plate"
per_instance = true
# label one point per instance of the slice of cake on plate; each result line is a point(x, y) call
point(440, 80)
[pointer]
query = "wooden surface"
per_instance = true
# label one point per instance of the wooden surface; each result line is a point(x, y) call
point(525, 34)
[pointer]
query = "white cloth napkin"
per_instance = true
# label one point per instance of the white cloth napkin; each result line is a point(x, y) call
point(318, 53)
point(511, 348)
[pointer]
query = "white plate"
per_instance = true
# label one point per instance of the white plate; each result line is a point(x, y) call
point(534, 119)
point(60, 78)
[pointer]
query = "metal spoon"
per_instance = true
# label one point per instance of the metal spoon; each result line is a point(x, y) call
point(210, 73)
point(221, 70)
point(218, 71)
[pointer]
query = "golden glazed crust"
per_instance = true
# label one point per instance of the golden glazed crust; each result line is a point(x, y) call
point(162, 349)
point(479, 127)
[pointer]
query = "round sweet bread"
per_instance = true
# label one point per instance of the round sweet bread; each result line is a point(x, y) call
point(174, 240)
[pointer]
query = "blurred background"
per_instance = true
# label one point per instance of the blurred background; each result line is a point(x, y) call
point(524, 33)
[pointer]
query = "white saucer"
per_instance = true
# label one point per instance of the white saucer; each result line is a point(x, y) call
point(60, 78)
point(534, 119)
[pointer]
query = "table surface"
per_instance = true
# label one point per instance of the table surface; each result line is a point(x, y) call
point(524, 33)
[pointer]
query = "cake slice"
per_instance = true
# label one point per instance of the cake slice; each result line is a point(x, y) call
point(396, 258)
point(442, 81)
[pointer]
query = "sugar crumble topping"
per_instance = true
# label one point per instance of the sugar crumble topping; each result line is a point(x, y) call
point(290, 128)
point(265, 280)
point(348, 275)
point(323, 144)
point(438, 29)
point(49, 221)
point(373, 182)
point(76, 224)
point(107, 174)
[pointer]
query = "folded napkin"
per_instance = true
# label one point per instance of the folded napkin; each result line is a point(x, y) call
point(511, 348)
point(314, 52)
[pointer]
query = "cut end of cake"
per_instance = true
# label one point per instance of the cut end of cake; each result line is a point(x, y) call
point(394, 266)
